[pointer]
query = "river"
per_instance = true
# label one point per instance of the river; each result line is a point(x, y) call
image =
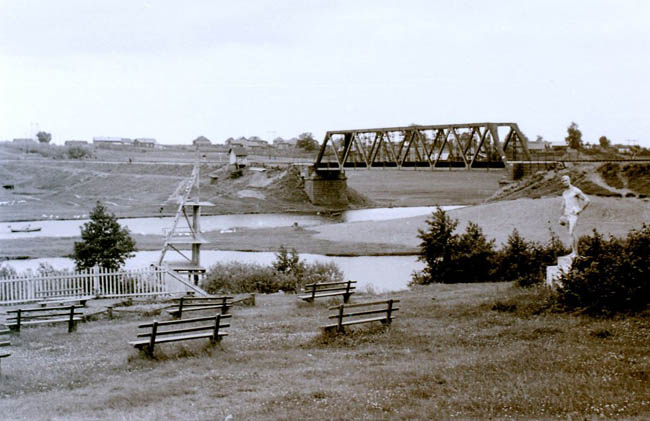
point(378, 273)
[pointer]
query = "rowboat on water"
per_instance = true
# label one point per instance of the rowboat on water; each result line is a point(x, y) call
point(25, 228)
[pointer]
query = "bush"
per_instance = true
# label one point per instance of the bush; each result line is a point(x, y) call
point(470, 257)
point(436, 248)
point(287, 274)
point(525, 262)
point(79, 152)
point(609, 275)
point(7, 271)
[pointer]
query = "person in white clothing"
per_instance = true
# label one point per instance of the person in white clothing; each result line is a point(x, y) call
point(574, 201)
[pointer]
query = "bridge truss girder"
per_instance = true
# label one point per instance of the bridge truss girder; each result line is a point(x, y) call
point(473, 145)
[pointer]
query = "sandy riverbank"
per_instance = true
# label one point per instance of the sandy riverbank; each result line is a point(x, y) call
point(533, 218)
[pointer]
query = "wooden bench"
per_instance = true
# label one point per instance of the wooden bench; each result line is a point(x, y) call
point(33, 316)
point(156, 335)
point(81, 301)
point(329, 289)
point(4, 354)
point(381, 311)
point(200, 303)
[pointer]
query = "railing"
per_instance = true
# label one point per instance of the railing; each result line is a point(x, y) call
point(96, 282)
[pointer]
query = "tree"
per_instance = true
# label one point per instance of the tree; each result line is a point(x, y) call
point(104, 242)
point(307, 142)
point(604, 142)
point(436, 248)
point(44, 137)
point(574, 137)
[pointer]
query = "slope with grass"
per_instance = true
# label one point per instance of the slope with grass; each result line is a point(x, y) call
point(471, 351)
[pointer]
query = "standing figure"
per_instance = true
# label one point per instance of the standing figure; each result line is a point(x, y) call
point(574, 201)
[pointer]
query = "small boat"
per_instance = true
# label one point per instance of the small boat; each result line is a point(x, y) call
point(26, 228)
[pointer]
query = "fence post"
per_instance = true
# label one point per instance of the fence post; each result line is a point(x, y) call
point(31, 292)
point(215, 335)
point(152, 340)
point(340, 317)
point(96, 281)
point(313, 292)
point(72, 326)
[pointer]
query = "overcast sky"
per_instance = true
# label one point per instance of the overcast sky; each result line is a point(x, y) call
point(175, 70)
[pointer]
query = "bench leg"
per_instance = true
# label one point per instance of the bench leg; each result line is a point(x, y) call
point(72, 325)
point(215, 335)
point(152, 340)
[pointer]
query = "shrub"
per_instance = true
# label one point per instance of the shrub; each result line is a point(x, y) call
point(470, 257)
point(237, 277)
point(7, 271)
point(525, 262)
point(288, 262)
point(436, 248)
point(79, 152)
point(609, 275)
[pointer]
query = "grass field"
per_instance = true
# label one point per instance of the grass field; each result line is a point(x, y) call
point(468, 351)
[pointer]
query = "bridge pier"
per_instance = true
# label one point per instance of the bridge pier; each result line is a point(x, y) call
point(326, 187)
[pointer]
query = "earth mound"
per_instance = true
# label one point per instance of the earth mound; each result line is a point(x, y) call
point(604, 180)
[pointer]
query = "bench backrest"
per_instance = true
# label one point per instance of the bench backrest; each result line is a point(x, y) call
point(43, 312)
point(331, 286)
point(352, 313)
point(202, 301)
point(169, 327)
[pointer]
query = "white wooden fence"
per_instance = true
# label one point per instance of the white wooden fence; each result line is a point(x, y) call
point(95, 282)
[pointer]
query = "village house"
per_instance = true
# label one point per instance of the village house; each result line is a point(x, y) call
point(144, 142)
point(201, 141)
point(237, 156)
point(109, 142)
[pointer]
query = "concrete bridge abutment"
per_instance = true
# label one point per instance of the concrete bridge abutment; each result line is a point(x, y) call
point(326, 187)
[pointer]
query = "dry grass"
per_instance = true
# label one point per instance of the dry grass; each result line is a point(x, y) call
point(468, 350)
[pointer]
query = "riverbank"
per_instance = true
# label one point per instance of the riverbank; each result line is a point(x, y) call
point(51, 190)
point(533, 218)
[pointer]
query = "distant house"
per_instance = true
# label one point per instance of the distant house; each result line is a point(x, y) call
point(76, 143)
point(280, 143)
point(144, 142)
point(201, 141)
point(237, 156)
point(539, 145)
point(108, 142)
point(622, 149)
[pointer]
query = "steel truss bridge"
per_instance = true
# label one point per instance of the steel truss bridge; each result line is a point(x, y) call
point(473, 145)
